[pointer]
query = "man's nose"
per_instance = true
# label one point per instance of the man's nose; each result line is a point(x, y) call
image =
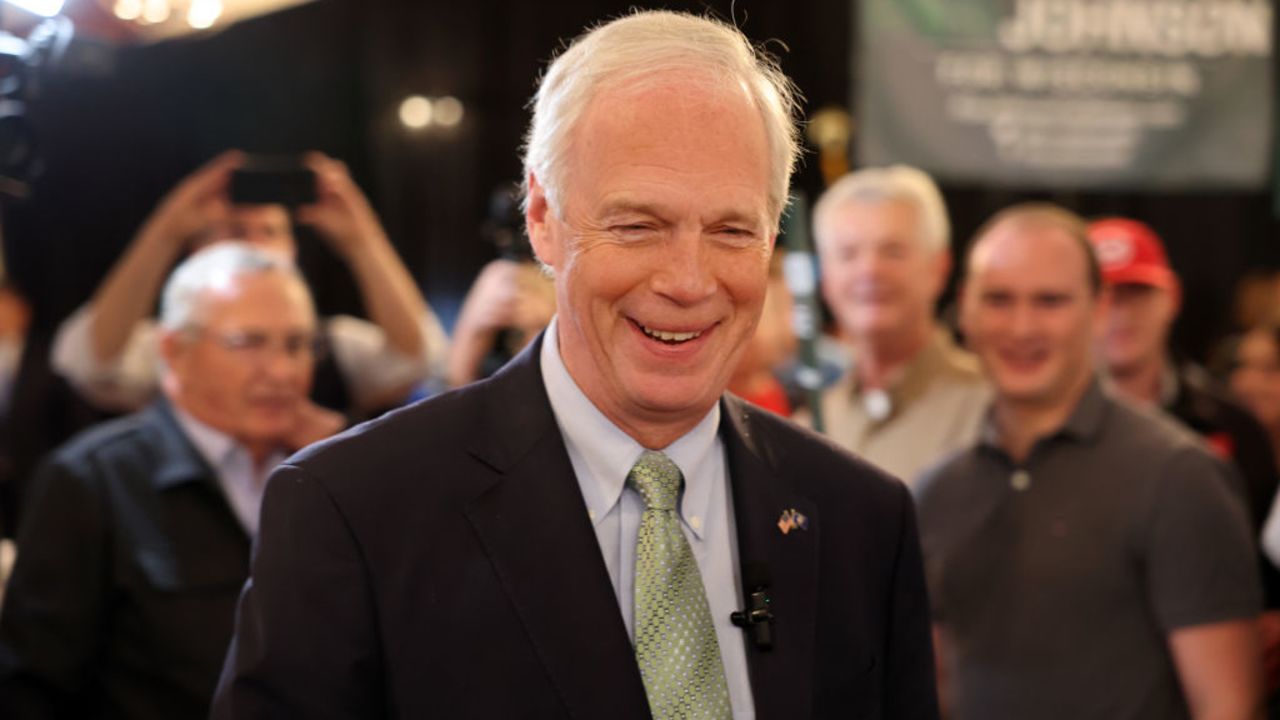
point(686, 274)
point(284, 362)
point(867, 264)
point(1023, 319)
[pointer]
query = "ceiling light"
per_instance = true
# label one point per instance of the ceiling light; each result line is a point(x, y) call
point(416, 112)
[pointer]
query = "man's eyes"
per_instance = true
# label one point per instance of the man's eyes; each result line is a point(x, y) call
point(1052, 301)
point(1040, 301)
point(644, 228)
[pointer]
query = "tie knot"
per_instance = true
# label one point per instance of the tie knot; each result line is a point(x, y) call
point(657, 478)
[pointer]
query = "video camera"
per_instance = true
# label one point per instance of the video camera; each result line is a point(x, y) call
point(504, 227)
point(23, 64)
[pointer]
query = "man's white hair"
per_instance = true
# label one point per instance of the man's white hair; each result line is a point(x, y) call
point(647, 45)
point(216, 266)
point(882, 184)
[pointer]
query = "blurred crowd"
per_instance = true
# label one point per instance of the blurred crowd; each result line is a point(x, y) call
point(1075, 477)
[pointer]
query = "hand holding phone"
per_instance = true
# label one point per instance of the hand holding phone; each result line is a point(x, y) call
point(273, 180)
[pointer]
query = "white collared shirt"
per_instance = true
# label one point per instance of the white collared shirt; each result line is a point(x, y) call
point(602, 455)
point(242, 483)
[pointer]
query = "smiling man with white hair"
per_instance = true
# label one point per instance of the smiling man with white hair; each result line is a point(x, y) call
point(135, 539)
point(910, 396)
point(578, 535)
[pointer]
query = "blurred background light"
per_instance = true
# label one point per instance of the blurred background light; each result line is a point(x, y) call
point(46, 8)
point(128, 9)
point(155, 11)
point(202, 14)
point(448, 111)
point(416, 112)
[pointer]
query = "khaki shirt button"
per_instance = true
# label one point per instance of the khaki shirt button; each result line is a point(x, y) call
point(1020, 480)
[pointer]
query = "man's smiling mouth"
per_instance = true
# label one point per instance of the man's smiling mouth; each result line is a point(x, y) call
point(671, 338)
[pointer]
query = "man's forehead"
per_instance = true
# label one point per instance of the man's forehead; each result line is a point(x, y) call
point(243, 294)
point(868, 219)
point(1029, 254)
point(260, 213)
point(629, 139)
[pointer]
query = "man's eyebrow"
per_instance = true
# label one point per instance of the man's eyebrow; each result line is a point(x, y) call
point(626, 206)
point(736, 217)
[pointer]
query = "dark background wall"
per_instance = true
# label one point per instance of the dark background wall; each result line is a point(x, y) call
point(329, 75)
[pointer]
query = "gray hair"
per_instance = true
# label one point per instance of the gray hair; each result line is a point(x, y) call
point(648, 44)
point(215, 266)
point(896, 182)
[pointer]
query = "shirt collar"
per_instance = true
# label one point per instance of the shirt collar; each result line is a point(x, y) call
point(213, 445)
point(1168, 392)
point(911, 380)
point(609, 453)
point(1086, 420)
point(1084, 423)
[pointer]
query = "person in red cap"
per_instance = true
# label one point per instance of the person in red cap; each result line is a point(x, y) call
point(1144, 297)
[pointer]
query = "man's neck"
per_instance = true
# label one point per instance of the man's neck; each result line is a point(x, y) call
point(260, 453)
point(1021, 425)
point(1142, 382)
point(878, 359)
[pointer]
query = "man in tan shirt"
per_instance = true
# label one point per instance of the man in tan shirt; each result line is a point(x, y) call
point(911, 396)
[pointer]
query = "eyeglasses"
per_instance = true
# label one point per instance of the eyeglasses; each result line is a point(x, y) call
point(259, 347)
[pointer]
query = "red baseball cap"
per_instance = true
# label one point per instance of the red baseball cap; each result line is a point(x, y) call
point(1129, 252)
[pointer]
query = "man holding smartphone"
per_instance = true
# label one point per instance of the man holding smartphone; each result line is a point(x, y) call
point(106, 349)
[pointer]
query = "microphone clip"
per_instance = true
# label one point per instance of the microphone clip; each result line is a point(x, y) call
point(757, 619)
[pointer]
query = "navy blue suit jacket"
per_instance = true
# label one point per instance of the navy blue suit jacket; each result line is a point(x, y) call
point(439, 562)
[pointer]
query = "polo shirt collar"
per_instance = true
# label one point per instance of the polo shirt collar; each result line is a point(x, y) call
point(1084, 423)
point(609, 453)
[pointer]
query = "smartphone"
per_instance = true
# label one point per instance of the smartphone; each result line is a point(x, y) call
point(273, 180)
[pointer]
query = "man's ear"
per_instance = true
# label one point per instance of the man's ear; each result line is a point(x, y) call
point(538, 216)
point(171, 346)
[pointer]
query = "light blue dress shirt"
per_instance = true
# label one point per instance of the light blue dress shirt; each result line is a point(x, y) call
point(602, 455)
point(242, 483)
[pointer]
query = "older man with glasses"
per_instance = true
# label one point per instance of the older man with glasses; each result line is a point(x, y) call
point(136, 538)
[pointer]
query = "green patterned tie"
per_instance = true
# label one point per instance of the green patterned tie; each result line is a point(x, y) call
point(675, 640)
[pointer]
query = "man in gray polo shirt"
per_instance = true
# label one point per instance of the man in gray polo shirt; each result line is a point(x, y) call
point(1085, 560)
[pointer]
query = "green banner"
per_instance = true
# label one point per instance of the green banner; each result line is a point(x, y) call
point(1143, 94)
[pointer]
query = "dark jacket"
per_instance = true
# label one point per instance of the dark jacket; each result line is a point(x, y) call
point(439, 562)
point(1234, 435)
point(130, 561)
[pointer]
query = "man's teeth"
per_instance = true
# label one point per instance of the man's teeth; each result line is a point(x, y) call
point(670, 336)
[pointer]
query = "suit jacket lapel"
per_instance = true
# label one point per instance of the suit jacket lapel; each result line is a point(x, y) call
point(781, 678)
point(533, 524)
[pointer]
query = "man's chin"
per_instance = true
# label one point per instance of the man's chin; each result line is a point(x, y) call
point(269, 430)
point(1125, 362)
point(880, 323)
point(1022, 390)
point(676, 400)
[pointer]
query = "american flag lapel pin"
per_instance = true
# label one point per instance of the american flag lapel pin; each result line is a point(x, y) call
point(792, 519)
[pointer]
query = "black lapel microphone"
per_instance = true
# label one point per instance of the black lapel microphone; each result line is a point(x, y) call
point(757, 619)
